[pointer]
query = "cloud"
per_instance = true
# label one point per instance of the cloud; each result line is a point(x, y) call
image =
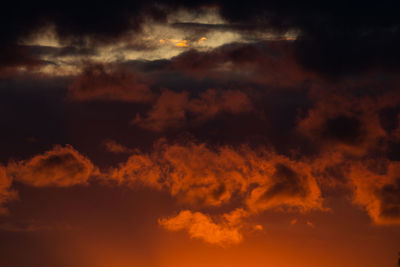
point(310, 224)
point(251, 181)
point(6, 193)
point(369, 40)
point(200, 175)
point(99, 82)
point(378, 192)
point(201, 226)
point(61, 167)
point(116, 148)
point(344, 122)
point(270, 63)
point(17, 59)
point(289, 185)
point(173, 109)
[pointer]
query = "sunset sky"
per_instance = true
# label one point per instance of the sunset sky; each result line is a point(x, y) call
point(210, 133)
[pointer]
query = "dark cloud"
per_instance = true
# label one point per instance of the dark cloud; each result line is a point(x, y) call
point(113, 83)
point(14, 59)
point(287, 182)
point(336, 37)
point(269, 63)
point(173, 110)
point(348, 123)
point(40, 50)
point(343, 129)
point(388, 118)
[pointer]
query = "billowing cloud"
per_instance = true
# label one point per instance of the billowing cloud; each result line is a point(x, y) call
point(201, 226)
point(200, 176)
point(99, 82)
point(173, 109)
point(61, 167)
point(378, 191)
point(197, 174)
point(290, 185)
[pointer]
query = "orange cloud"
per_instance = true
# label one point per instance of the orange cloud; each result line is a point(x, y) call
point(378, 192)
point(61, 166)
point(201, 226)
point(116, 148)
point(291, 184)
point(6, 193)
point(200, 176)
point(172, 109)
point(99, 82)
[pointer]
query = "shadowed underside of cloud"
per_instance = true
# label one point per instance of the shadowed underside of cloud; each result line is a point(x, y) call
point(168, 108)
point(347, 123)
point(271, 63)
point(173, 109)
point(99, 82)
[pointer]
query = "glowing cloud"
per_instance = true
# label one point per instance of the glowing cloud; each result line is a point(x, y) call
point(201, 226)
point(378, 193)
point(61, 167)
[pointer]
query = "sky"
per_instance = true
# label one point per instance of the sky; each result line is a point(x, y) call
point(200, 133)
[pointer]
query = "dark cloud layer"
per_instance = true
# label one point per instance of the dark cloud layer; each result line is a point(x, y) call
point(99, 82)
point(336, 37)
